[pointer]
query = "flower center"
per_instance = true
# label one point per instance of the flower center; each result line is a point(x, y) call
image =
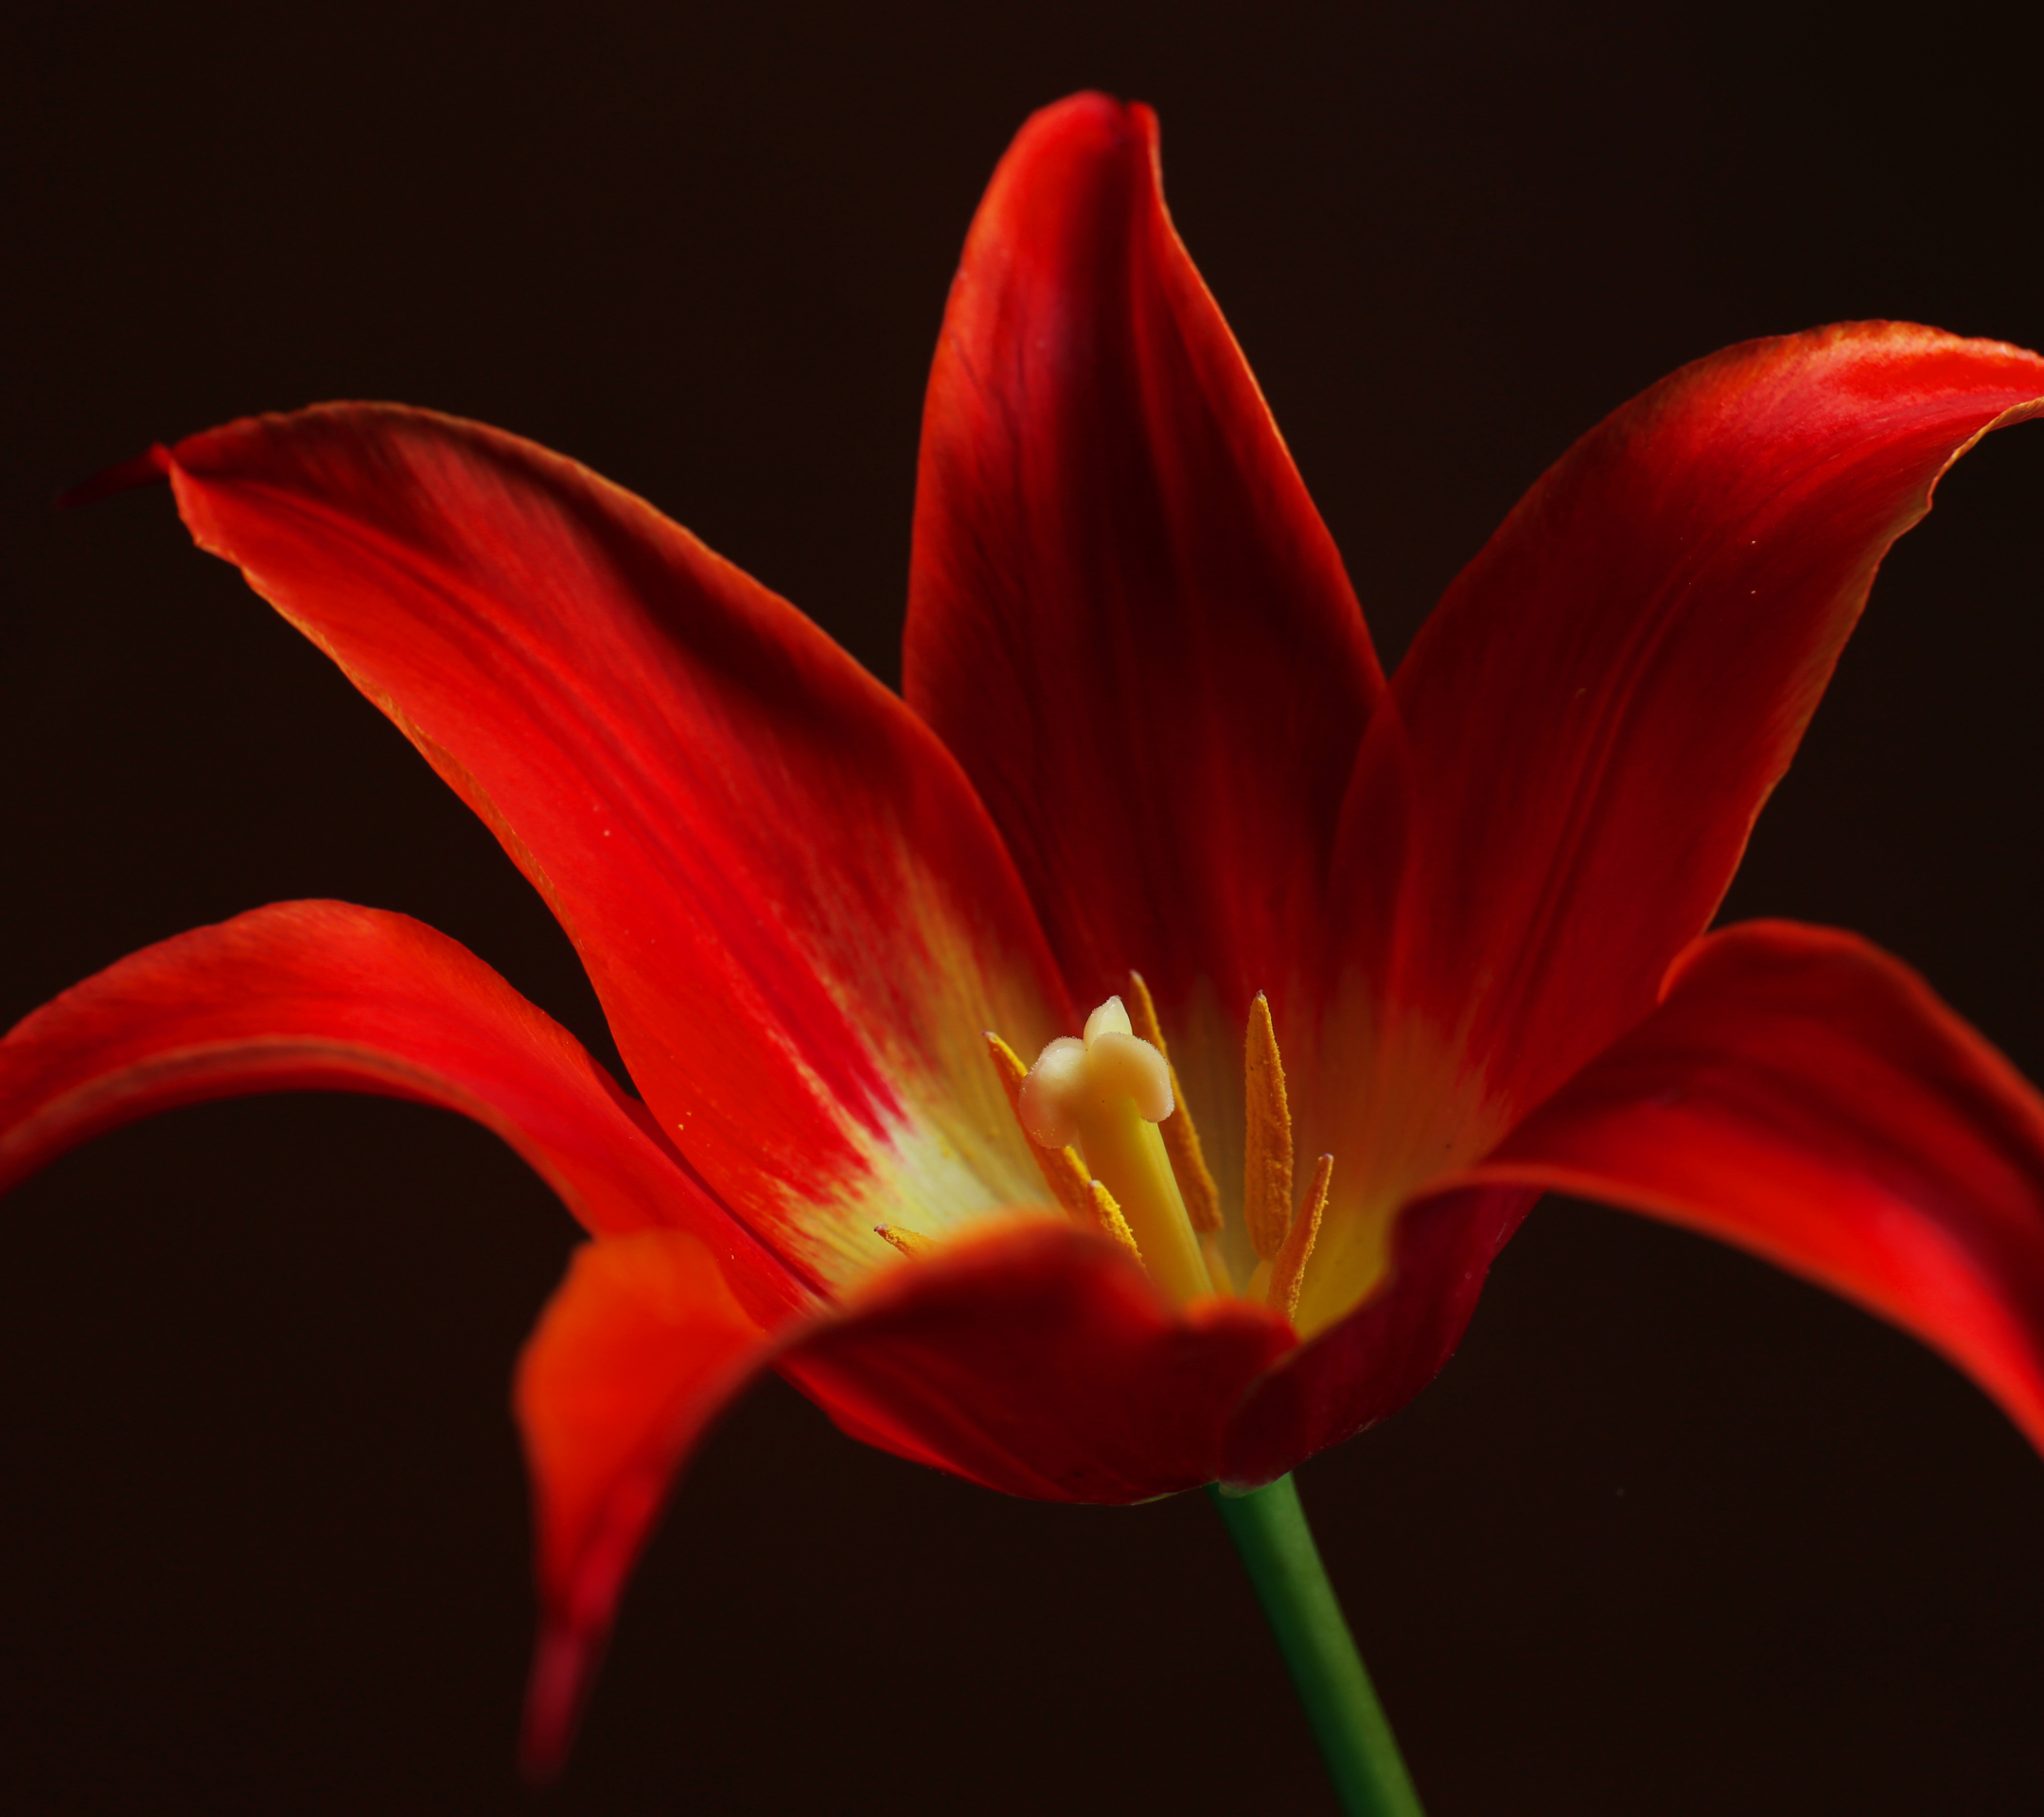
point(1108, 1093)
point(1108, 1123)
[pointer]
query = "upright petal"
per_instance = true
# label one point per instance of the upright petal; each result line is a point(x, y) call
point(323, 995)
point(796, 912)
point(1126, 616)
point(1802, 1095)
point(1587, 725)
point(639, 1349)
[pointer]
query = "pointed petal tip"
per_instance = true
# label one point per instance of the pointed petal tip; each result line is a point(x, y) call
point(1090, 107)
point(124, 476)
point(564, 1666)
point(1732, 520)
point(575, 666)
point(640, 1349)
point(1096, 453)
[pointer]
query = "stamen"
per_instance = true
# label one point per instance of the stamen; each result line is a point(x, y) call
point(1108, 1215)
point(1267, 1158)
point(910, 1242)
point(1181, 1139)
point(1063, 1172)
point(1288, 1270)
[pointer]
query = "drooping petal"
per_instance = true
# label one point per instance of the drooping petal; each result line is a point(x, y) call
point(795, 911)
point(642, 1345)
point(324, 995)
point(1039, 1361)
point(1028, 1357)
point(1371, 1362)
point(1805, 1095)
point(1126, 616)
point(1587, 725)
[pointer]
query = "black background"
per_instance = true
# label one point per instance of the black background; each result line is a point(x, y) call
point(1671, 1534)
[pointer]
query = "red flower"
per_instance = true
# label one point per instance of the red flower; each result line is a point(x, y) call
point(1144, 729)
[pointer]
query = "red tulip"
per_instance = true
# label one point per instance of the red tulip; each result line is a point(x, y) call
point(1144, 730)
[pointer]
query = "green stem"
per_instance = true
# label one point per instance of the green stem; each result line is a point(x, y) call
point(1270, 1531)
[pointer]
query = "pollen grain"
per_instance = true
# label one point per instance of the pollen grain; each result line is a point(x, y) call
point(910, 1242)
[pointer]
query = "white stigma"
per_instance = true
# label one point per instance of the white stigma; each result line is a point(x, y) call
point(1072, 1076)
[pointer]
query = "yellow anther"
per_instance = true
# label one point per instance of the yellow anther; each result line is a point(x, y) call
point(910, 1242)
point(1289, 1269)
point(1008, 1064)
point(1108, 1215)
point(1063, 1172)
point(1181, 1139)
point(1267, 1158)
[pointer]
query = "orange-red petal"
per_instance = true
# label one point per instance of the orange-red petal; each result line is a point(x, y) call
point(795, 911)
point(1031, 1357)
point(1040, 1360)
point(306, 995)
point(1126, 616)
point(1555, 799)
point(640, 1348)
point(1805, 1095)
point(1371, 1363)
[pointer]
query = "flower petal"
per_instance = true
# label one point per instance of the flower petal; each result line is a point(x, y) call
point(1039, 1361)
point(1031, 1357)
point(1805, 1095)
point(306, 995)
point(1587, 725)
point(640, 1348)
point(1367, 1366)
point(796, 913)
point(1126, 616)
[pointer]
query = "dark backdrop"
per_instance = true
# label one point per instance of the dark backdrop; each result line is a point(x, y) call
point(1671, 1534)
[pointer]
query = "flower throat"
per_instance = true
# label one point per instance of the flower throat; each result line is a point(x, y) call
point(1106, 1119)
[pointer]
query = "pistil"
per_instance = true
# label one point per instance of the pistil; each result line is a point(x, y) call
point(1063, 1172)
point(1108, 1092)
point(1106, 1119)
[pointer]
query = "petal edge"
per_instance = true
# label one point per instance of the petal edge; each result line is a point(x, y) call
point(328, 996)
point(1802, 1095)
